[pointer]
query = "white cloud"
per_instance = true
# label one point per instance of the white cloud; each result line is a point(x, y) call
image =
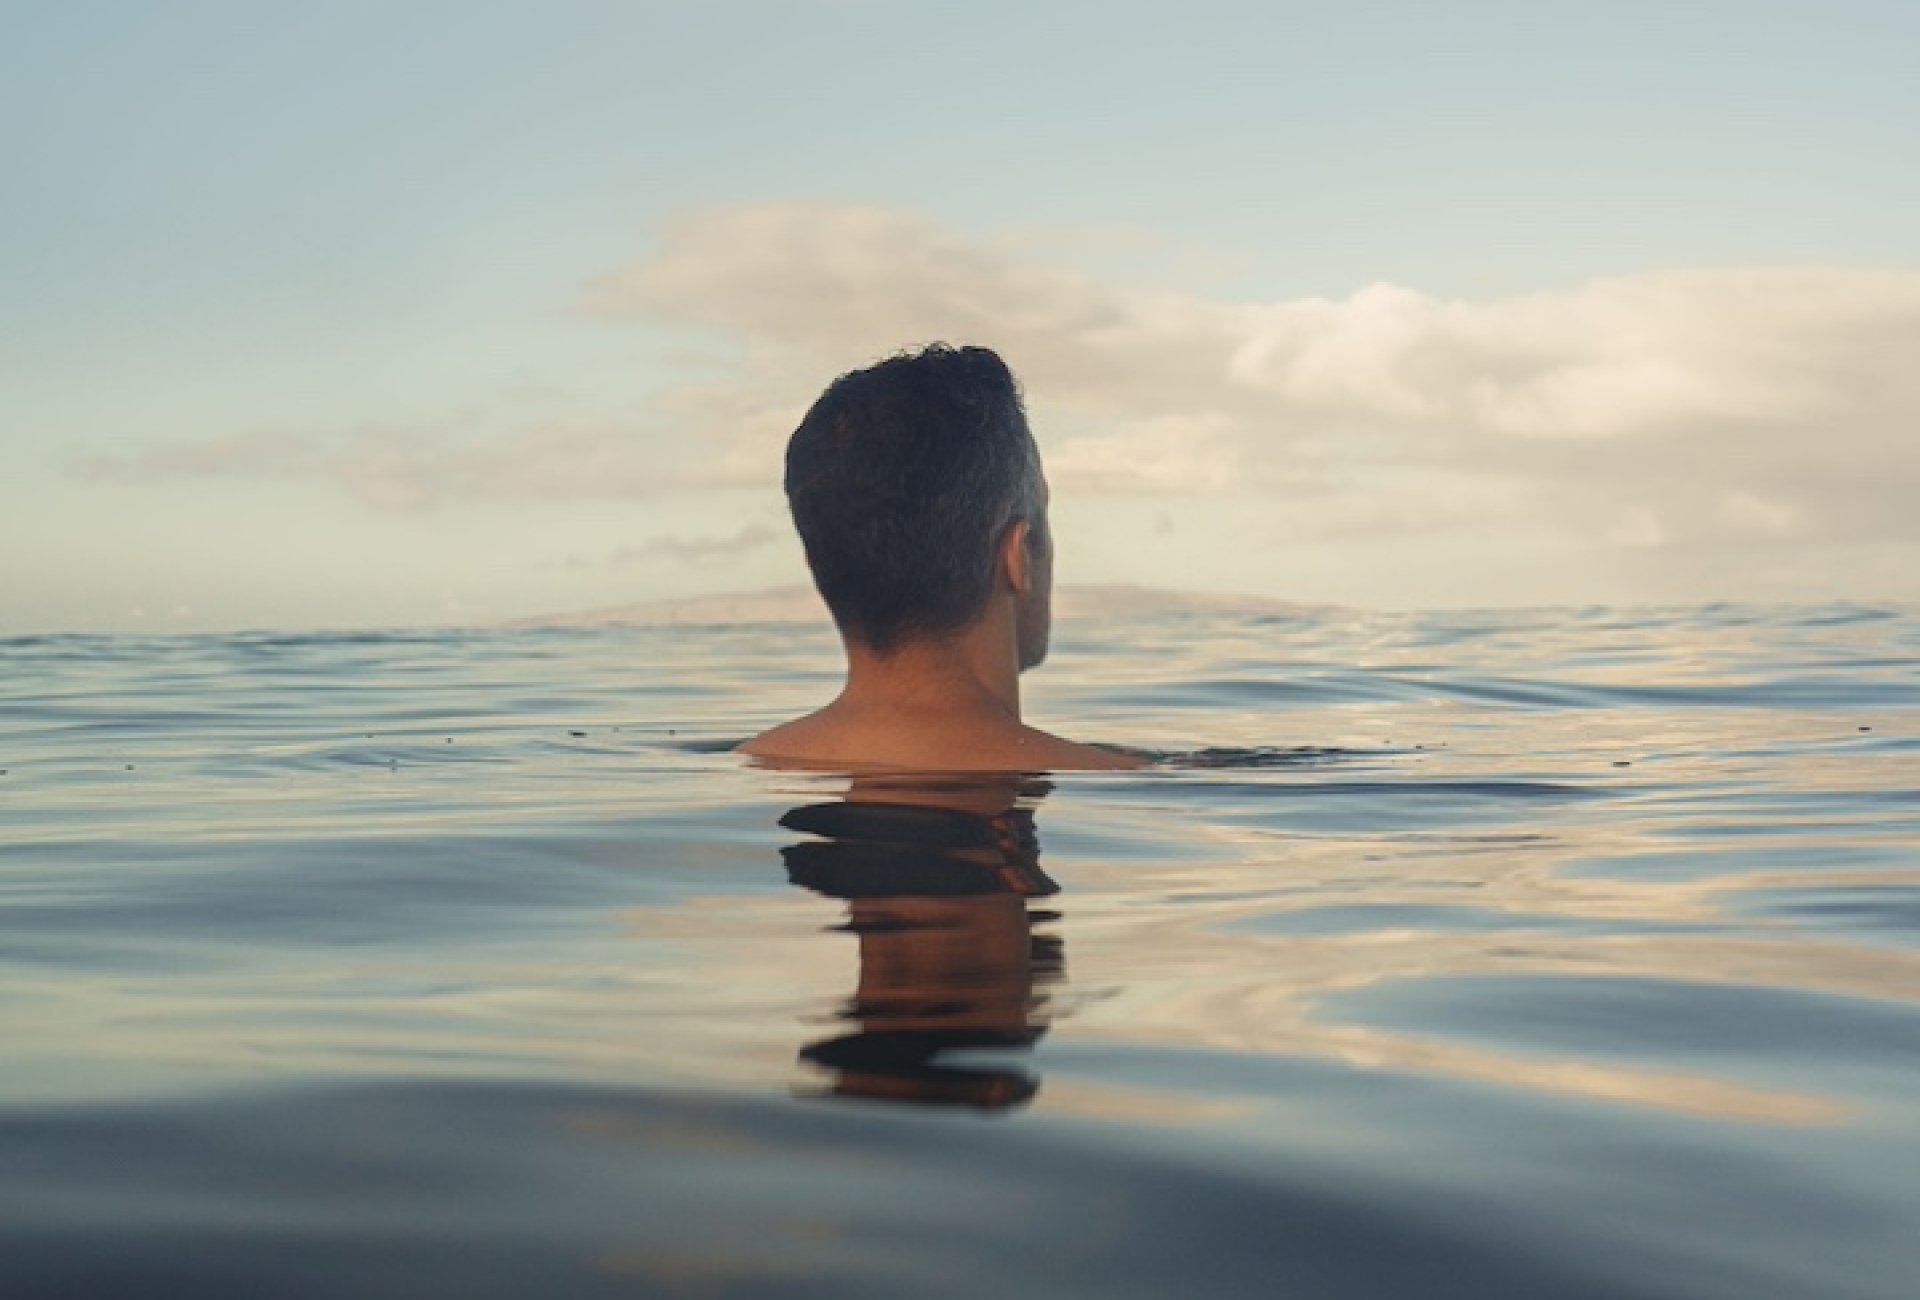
point(698, 549)
point(418, 467)
point(1676, 406)
point(1168, 453)
point(1654, 353)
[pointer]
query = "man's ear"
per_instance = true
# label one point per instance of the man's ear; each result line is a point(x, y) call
point(1015, 559)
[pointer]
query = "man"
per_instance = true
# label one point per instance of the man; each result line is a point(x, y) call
point(917, 491)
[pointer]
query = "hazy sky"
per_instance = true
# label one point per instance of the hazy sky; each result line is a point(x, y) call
point(393, 313)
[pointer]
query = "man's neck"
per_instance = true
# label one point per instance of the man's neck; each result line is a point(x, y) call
point(973, 672)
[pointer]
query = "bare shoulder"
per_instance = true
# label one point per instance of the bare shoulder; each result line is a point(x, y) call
point(1058, 754)
point(827, 741)
point(789, 739)
point(816, 742)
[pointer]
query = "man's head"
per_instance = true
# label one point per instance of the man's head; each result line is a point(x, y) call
point(916, 487)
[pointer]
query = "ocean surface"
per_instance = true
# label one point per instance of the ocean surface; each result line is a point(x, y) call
point(1567, 953)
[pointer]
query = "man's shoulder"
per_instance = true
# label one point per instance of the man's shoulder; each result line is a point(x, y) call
point(1058, 754)
point(814, 741)
point(785, 740)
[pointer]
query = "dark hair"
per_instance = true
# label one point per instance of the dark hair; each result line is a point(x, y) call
point(902, 479)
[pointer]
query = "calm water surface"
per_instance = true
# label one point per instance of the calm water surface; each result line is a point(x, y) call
point(1564, 954)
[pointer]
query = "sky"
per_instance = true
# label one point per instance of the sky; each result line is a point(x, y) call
point(421, 312)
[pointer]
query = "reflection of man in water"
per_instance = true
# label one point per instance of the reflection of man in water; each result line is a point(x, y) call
point(936, 882)
point(917, 491)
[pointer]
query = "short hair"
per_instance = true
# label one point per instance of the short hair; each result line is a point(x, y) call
point(902, 479)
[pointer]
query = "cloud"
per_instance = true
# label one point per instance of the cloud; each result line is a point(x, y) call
point(1168, 453)
point(1756, 404)
point(806, 288)
point(419, 467)
point(677, 549)
point(697, 550)
point(1752, 406)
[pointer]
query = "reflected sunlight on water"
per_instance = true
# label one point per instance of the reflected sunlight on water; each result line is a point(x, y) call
point(1553, 952)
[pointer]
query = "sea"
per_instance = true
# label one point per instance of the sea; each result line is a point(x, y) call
point(1562, 953)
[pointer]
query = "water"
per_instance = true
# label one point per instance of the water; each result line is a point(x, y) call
point(1565, 953)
